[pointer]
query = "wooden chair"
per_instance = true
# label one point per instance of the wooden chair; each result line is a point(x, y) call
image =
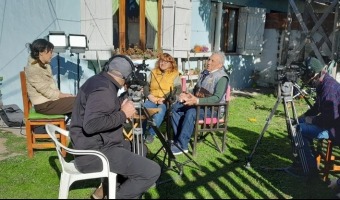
point(33, 119)
point(212, 125)
point(326, 159)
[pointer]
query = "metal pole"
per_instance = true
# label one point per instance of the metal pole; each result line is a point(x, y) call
point(58, 58)
point(78, 74)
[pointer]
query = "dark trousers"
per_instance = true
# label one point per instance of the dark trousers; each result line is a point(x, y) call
point(140, 172)
point(61, 106)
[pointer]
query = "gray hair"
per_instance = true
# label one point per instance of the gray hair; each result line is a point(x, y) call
point(221, 55)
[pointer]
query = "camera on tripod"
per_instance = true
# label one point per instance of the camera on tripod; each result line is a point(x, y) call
point(289, 73)
point(137, 81)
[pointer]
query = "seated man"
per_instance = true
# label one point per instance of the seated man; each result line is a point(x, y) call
point(97, 124)
point(210, 88)
point(321, 121)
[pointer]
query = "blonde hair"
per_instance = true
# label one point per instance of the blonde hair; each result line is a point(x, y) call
point(167, 57)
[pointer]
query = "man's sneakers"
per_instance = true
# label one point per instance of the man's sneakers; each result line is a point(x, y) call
point(177, 151)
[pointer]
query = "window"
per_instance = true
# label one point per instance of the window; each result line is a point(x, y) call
point(242, 30)
point(136, 23)
point(229, 29)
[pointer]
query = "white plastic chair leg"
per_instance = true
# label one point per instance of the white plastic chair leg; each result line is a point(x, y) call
point(64, 186)
point(112, 181)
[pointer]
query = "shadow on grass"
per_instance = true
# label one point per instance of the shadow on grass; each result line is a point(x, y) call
point(226, 175)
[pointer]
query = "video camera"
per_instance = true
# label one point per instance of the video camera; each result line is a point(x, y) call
point(290, 73)
point(137, 81)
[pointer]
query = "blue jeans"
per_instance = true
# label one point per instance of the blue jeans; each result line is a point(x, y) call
point(157, 118)
point(310, 132)
point(183, 123)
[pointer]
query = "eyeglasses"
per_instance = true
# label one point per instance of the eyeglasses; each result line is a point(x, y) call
point(163, 61)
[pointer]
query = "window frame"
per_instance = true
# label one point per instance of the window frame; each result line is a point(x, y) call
point(225, 35)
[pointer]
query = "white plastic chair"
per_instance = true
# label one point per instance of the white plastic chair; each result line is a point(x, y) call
point(69, 172)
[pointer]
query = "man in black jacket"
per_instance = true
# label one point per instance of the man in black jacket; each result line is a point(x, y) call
point(97, 124)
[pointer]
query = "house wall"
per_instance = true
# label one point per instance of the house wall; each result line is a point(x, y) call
point(22, 22)
point(26, 20)
point(243, 67)
point(247, 71)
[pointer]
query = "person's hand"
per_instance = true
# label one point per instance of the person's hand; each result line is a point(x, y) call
point(160, 101)
point(152, 98)
point(128, 108)
point(333, 184)
point(190, 100)
point(183, 96)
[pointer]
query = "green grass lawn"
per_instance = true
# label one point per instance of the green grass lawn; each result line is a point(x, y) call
point(221, 175)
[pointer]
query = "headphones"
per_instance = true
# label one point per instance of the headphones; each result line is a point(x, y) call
point(107, 64)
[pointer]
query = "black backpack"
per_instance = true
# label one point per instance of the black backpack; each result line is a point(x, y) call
point(12, 115)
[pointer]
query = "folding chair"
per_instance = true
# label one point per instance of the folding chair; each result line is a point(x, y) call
point(328, 159)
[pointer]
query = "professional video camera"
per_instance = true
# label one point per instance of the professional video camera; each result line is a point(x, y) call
point(290, 73)
point(137, 81)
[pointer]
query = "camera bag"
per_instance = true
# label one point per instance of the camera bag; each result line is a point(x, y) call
point(12, 115)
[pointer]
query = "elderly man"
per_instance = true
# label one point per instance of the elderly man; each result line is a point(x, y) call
point(210, 88)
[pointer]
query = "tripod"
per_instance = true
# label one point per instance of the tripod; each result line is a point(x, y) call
point(285, 96)
point(302, 93)
point(166, 144)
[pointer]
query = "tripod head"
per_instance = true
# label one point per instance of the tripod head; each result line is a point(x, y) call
point(286, 89)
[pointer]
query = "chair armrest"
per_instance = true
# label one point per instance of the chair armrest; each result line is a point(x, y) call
point(99, 154)
point(211, 104)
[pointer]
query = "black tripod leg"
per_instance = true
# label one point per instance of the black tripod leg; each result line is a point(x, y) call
point(166, 145)
point(187, 155)
point(250, 157)
point(296, 137)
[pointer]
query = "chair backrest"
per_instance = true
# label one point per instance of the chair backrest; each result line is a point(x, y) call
point(69, 169)
point(25, 99)
point(52, 132)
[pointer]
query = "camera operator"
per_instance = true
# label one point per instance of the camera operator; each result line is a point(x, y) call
point(321, 121)
point(97, 124)
point(210, 88)
point(164, 77)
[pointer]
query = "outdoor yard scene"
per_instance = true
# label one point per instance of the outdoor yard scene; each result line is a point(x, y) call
point(221, 175)
point(170, 99)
